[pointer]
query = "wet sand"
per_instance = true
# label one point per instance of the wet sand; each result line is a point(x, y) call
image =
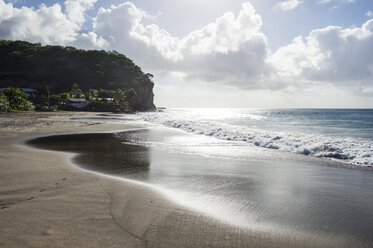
point(47, 201)
point(294, 203)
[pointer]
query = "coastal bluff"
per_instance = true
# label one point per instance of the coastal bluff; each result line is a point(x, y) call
point(58, 68)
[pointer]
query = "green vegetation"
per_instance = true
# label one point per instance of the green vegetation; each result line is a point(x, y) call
point(67, 71)
point(118, 101)
point(4, 104)
point(12, 99)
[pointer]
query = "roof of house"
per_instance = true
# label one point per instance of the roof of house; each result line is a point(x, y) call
point(29, 90)
point(106, 98)
point(77, 100)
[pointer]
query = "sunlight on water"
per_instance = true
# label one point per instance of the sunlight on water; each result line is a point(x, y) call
point(343, 135)
point(236, 183)
point(221, 113)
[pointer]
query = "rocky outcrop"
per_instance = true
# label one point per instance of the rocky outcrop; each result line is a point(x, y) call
point(145, 98)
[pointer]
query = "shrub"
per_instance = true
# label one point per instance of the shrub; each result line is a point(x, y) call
point(4, 103)
point(18, 100)
point(101, 105)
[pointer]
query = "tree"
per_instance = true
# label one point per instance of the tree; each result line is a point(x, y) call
point(105, 93)
point(120, 103)
point(59, 100)
point(18, 100)
point(91, 94)
point(131, 97)
point(149, 76)
point(4, 104)
point(76, 91)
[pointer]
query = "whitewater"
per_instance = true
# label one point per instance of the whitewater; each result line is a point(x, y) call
point(344, 135)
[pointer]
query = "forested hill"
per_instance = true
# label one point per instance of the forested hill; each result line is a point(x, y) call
point(28, 65)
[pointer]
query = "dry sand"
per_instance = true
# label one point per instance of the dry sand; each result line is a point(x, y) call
point(46, 201)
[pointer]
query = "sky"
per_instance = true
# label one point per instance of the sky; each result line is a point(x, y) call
point(227, 53)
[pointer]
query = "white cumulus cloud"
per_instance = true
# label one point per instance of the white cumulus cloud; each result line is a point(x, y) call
point(331, 55)
point(230, 50)
point(289, 5)
point(48, 25)
point(76, 9)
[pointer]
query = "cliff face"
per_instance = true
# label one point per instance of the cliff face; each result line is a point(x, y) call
point(27, 65)
point(145, 98)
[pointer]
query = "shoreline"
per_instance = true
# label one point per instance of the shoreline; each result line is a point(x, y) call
point(41, 202)
point(64, 205)
point(46, 200)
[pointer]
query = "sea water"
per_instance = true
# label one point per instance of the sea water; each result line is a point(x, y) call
point(344, 135)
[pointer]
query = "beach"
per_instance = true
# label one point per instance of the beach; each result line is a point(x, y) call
point(186, 124)
point(48, 201)
point(45, 201)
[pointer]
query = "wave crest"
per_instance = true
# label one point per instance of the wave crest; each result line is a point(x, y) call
point(355, 151)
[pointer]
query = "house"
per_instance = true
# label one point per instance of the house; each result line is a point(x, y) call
point(107, 99)
point(30, 92)
point(78, 103)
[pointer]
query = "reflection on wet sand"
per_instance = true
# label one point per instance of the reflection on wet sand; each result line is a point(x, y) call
point(99, 152)
point(300, 199)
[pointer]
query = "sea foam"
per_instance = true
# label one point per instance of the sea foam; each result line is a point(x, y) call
point(351, 150)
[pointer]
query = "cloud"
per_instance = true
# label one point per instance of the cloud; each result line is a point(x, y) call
point(289, 5)
point(230, 50)
point(16, 1)
point(369, 13)
point(48, 25)
point(332, 55)
point(121, 26)
point(76, 9)
point(90, 40)
point(341, 1)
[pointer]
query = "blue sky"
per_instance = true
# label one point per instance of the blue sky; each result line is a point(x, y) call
point(310, 53)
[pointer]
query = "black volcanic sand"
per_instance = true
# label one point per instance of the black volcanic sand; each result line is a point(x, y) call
point(293, 199)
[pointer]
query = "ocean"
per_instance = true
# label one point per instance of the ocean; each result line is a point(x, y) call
point(344, 135)
point(296, 174)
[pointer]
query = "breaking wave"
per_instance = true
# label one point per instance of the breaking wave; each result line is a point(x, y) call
point(351, 150)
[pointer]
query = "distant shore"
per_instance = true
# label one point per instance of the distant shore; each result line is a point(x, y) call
point(46, 201)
